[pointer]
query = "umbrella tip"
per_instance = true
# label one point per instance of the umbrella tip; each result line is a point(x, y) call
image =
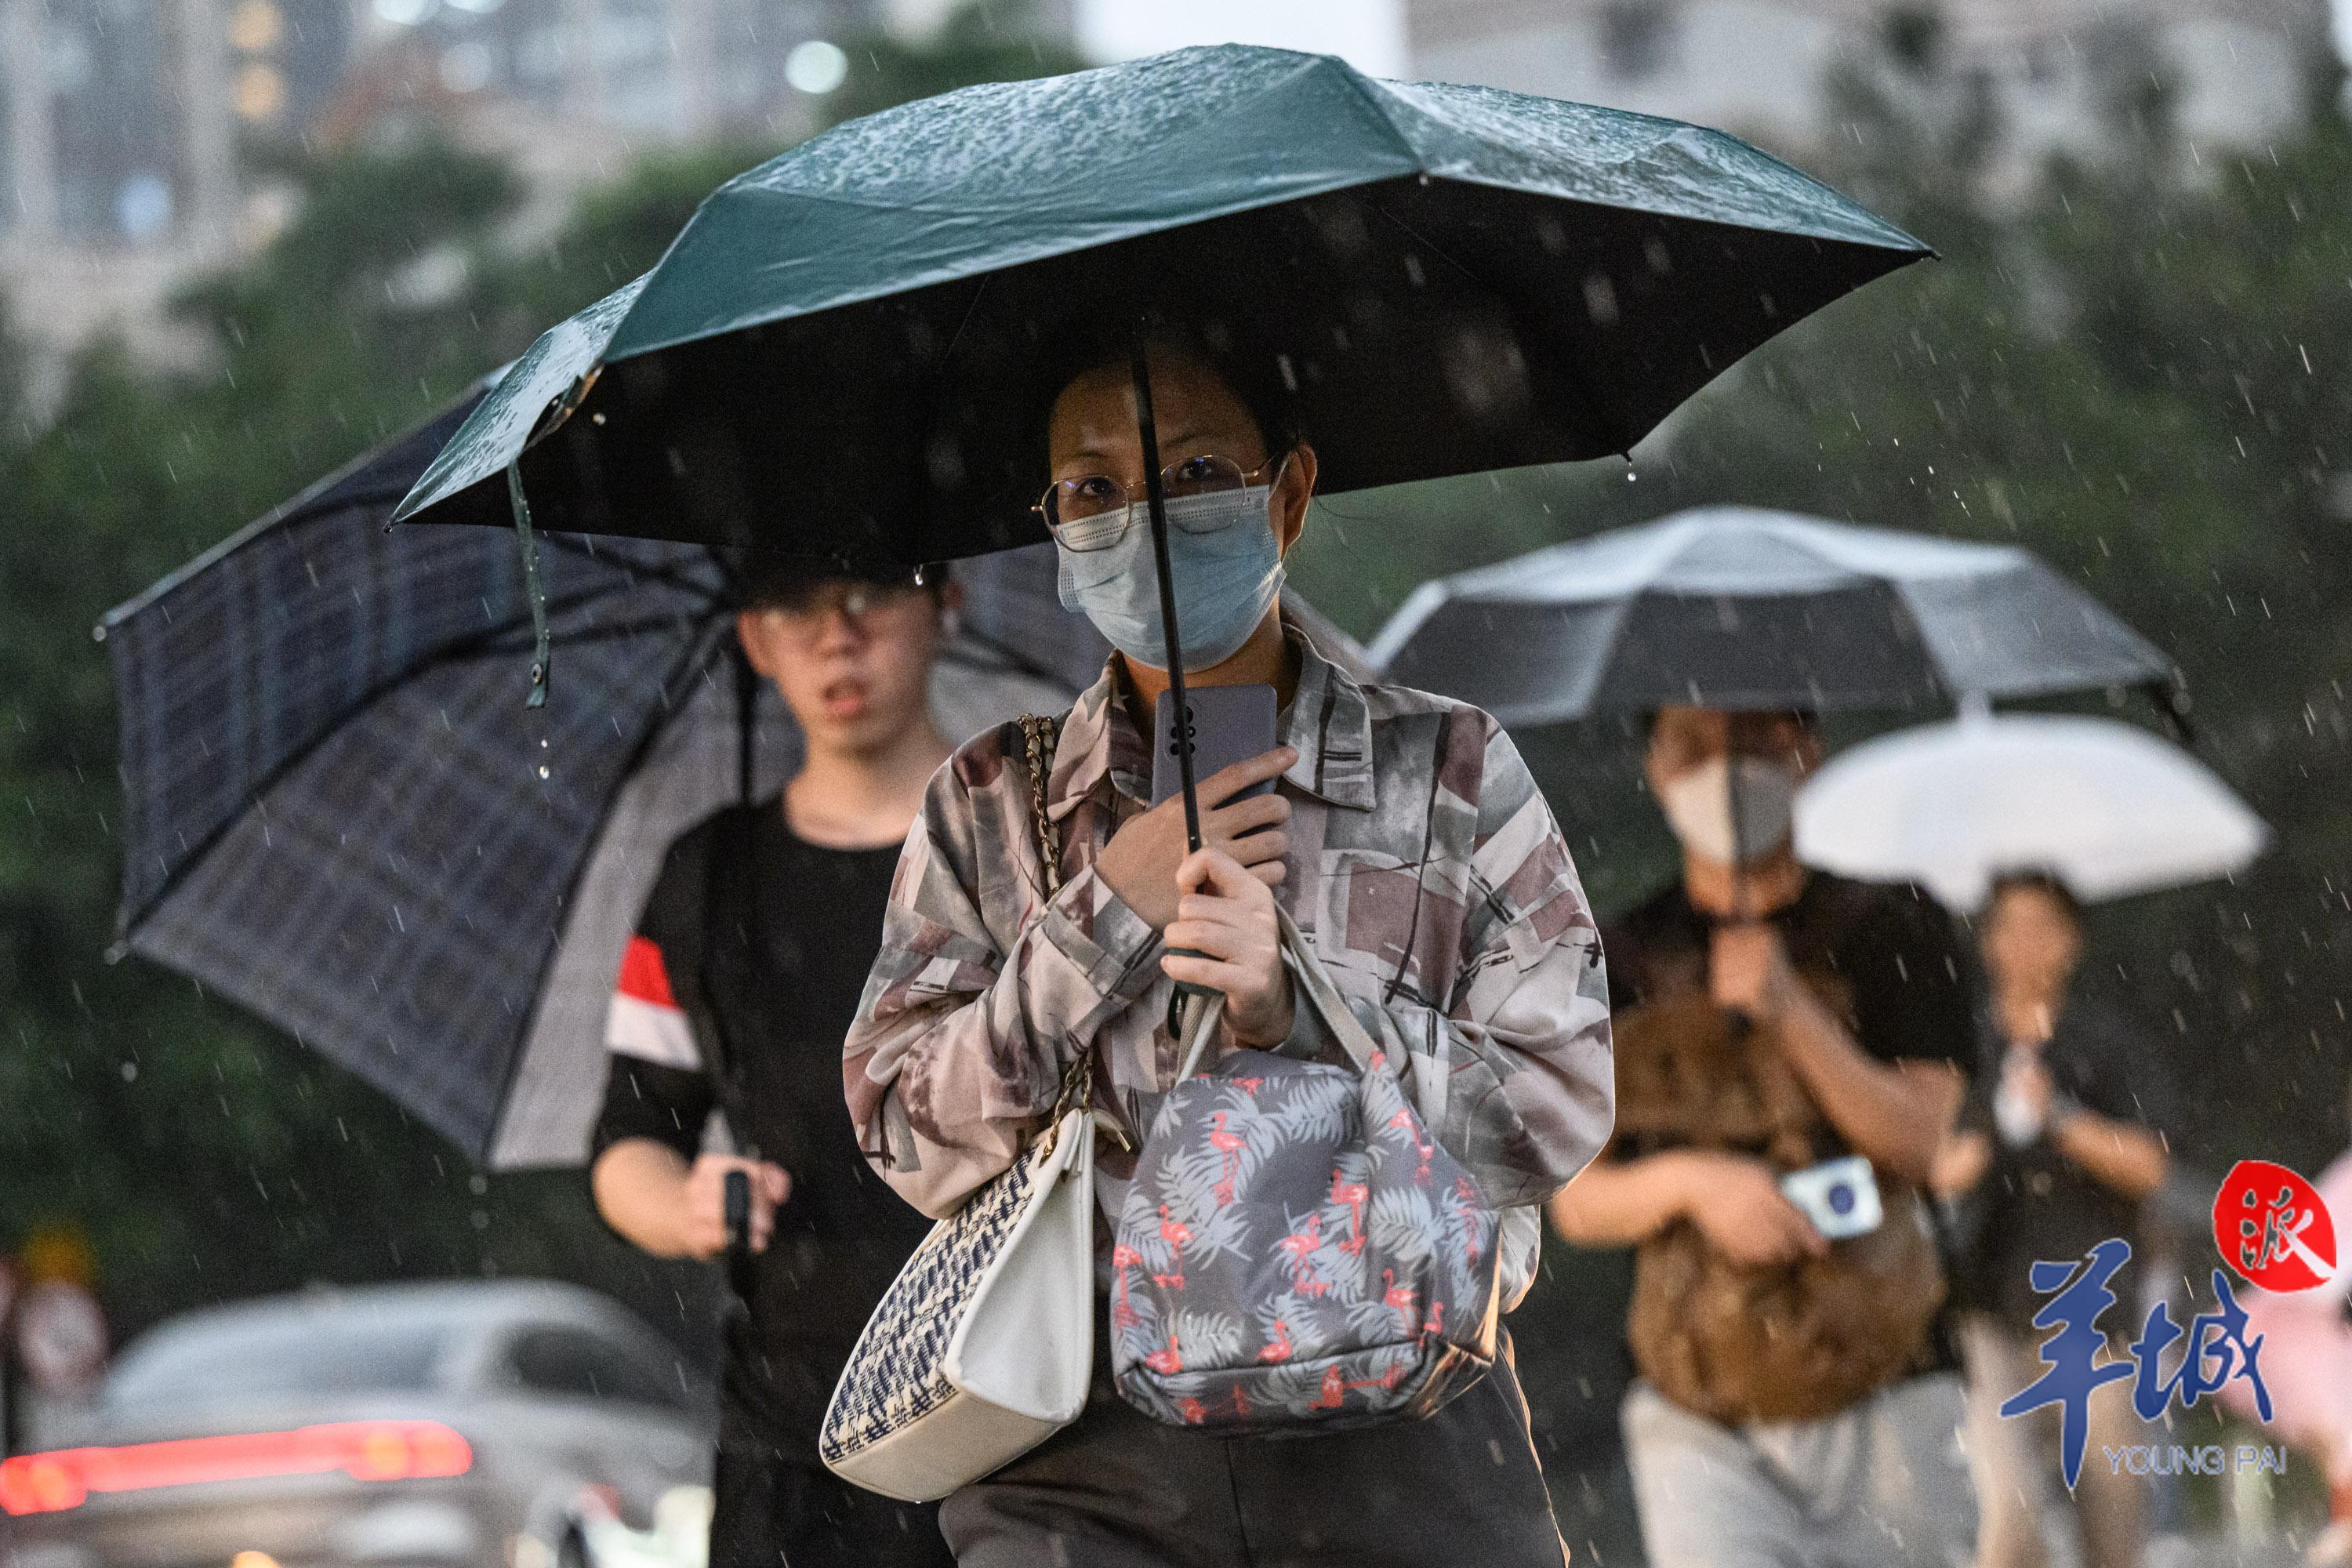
point(98, 631)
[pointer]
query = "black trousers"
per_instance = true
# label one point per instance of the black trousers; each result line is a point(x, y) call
point(768, 1510)
point(1118, 1490)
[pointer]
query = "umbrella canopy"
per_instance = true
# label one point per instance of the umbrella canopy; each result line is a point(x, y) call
point(338, 814)
point(848, 348)
point(2107, 808)
point(1738, 608)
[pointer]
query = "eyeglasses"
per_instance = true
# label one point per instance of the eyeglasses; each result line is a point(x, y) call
point(1091, 512)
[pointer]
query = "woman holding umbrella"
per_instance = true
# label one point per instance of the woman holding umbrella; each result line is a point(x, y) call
point(840, 353)
point(1402, 832)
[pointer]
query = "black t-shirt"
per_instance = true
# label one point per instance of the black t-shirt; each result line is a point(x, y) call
point(2033, 1202)
point(779, 986)
point(1911, 979)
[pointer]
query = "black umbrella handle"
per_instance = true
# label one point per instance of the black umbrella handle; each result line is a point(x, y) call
point(739, 1215)
point(1156, 500)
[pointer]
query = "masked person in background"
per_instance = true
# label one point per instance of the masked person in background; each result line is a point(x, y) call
point(1408, 841)
point(747, 960)
point(1789, 1051)
point(2054, 1154)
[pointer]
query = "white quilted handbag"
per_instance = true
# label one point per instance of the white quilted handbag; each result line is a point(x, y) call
point(983, 1346)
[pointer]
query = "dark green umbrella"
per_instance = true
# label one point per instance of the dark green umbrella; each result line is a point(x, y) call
point(847, 351)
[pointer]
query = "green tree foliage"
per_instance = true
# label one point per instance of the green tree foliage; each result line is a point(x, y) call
point(615, 234)
point(206, 1157)
point(986, 41)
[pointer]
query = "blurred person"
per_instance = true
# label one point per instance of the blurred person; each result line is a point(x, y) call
point(1406, 837)
point(1790, 1049)
point(746, 962)
point(2055, 1150)
point(2308, 1367)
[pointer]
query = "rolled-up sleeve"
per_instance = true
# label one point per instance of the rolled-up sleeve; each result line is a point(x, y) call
point(983, 991)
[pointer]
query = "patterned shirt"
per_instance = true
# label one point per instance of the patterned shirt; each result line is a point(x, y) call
point(1424, 871)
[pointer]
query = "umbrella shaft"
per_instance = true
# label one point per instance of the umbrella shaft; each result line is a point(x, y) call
point(1157, 500)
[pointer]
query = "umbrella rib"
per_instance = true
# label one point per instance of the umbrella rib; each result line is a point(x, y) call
point(572, 544)
point(493, 644)
point(971, 308)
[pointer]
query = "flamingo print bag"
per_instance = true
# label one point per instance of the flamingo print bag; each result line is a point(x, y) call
point(1296, 1252)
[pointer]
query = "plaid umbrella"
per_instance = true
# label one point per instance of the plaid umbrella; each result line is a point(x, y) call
point(338, 814)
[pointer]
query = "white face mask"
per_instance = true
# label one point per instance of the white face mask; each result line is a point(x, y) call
point(1699, 805)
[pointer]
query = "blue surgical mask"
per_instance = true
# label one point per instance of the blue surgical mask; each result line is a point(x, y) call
point(1226, 567)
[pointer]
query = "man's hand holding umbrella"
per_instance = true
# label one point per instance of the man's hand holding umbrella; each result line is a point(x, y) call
point(685, 1216)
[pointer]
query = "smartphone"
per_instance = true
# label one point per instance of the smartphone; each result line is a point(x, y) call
point(1840, 1197)
point(1229, 723)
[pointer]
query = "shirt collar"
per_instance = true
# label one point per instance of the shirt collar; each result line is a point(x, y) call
point(1331, 725)
point(1327, 719)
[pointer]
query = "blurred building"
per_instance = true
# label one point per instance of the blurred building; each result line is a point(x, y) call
point(135, 134)
point(2058, 72)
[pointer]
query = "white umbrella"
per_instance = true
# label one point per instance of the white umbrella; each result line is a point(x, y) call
point(2106, 806)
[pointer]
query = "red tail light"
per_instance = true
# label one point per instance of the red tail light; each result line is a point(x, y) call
point(364, 1450)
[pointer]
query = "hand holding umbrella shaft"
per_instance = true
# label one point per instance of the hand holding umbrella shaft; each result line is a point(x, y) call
point(705, 1228)
point(1748, 970)
point(1141, 861)
point(1225, 923)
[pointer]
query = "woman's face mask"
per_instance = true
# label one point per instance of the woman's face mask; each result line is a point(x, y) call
point(1224, 560)
point(1734, 811)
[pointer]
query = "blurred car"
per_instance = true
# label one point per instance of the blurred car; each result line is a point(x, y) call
point(466, 1425)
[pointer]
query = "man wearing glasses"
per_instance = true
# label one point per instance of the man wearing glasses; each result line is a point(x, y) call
point(748, 959)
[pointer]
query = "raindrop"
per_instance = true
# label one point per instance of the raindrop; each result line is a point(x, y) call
point(542, 770)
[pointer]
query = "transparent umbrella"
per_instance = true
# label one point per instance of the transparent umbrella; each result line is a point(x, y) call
point(2105, 806)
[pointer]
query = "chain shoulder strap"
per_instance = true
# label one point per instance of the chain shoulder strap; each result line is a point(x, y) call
point(1042, 734)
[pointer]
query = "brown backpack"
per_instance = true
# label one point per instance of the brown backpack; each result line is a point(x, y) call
point(1788, 1343)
